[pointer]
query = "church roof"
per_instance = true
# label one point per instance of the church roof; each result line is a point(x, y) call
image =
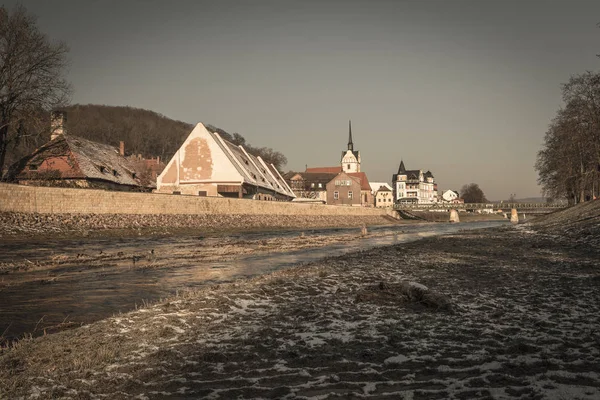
point(317, 177)
point(327, 170)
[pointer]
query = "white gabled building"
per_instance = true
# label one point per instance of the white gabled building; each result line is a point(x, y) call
point(449, 196)
point(383, 194)
point(414, 186)
point(208, 165)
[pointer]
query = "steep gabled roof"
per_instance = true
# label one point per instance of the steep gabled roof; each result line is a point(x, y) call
point(412, 174)
point(254, 169)
point(364, 181)
point(86, 160)
point(375, 186)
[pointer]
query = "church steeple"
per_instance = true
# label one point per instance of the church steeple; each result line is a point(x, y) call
point(350, 144)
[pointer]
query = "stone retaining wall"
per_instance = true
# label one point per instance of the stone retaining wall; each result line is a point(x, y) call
point(48, 200)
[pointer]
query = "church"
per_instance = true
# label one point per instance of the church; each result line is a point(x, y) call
point(346, 183)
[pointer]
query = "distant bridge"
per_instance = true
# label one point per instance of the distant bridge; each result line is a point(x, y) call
point(505, 207)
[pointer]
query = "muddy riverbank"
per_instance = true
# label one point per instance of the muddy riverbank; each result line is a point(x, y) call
point(517, 315)
point(52, 285)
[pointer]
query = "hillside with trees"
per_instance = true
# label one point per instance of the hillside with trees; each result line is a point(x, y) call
point(569, 162)
point(144, 132)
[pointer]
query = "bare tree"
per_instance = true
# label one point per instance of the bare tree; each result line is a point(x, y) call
point(472, 193)
point(31, 78)
point(569, 162)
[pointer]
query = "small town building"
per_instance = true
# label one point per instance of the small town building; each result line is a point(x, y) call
point(350, 165)
point(382, 194)
point(344, 190)
point(309, 185)
point(208, 165)
point(71, 161)
point(414, 186)
point(449, 196)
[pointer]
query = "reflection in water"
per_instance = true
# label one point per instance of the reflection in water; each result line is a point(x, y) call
point(87, 294)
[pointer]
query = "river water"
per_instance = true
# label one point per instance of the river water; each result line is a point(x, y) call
point(77, 294)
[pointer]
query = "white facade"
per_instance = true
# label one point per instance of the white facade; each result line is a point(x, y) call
point(414, 186)
point(449, 195)
point(351, 163)
point(208, 165)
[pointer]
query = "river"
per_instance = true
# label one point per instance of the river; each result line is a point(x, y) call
point(82, 281)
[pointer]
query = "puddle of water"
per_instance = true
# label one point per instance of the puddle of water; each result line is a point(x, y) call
point(89, 294)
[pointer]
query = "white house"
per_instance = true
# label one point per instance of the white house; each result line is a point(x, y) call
point(208, 165)
point(449, 196)
point(414, 186)
point(383, 194)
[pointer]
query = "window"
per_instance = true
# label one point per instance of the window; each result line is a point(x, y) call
point(379, 200)
point(336, 195)
point(312, 185)
point(347, 183)
point(350, 195)
point(348, 166)
point(320, 185)
point(337, 182)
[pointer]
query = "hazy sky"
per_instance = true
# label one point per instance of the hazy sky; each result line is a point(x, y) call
point(465, 89)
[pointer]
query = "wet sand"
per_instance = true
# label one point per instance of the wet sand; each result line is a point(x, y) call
point(518, 316)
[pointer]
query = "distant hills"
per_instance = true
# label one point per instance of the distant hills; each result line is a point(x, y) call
point(144, 132)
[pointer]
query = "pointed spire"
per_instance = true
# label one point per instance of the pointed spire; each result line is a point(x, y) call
point(350, 144)
point(401, 168)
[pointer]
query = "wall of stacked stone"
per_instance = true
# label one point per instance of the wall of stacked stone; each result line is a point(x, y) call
point(48, 200)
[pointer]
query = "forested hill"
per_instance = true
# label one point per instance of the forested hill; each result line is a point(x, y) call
point(144, 132)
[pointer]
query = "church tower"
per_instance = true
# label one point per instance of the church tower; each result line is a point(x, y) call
point(350, 158)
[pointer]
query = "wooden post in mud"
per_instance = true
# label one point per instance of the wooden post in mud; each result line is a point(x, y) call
point(363, 230)
point(514, 216)
point(454, 216)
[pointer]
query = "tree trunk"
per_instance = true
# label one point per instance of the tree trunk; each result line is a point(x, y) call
point(3, 145)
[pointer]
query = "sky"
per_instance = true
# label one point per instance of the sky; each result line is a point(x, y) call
point(465, 89)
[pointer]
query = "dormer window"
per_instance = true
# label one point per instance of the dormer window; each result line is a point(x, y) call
point(246, 162)
point(33, 167)
point(102, 169)
point(115, 173)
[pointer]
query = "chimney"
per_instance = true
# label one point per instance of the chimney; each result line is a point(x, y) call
point(122, 148)
point(58, 121)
